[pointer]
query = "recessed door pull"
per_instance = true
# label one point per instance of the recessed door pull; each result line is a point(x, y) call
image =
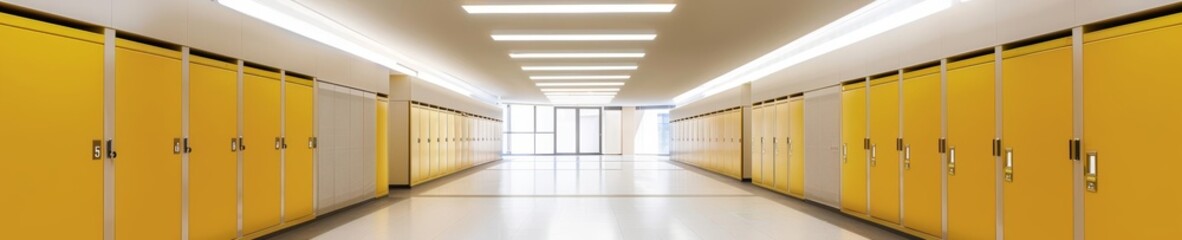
point(952, 161)
point(907, 157)
point(1009, 168)
point(1091, 175)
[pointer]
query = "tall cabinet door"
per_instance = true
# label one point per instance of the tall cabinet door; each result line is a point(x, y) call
point(297, 158)
point(1036, 124)
point(213, 164)
point(382, 178)
point(147, 134)
point(970, 165)
point(796, 147)
point(922, 186)
point(52, 77)
point(769, 139)
point(884, 159)
point(781, 148)
point(433, 140)
point(757, 145)
point(1131, 131)
point(416, 142)
point(260, 161)
point(853, 152)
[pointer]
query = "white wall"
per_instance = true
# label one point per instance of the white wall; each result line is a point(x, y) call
point(207, 26)
point(423, 91)
point(822, 145)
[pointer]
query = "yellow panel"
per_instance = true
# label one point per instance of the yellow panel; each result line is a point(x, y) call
point(853, 164)
point(298, 162)
point(1036, 124)
point(383, 155)
point(769, 152)
point(971, 128)
point(213, 165)
point(781, 148)
point(1133, 28)
point(260, 173)
point(796, 147)
point(757, 139)
point(1131, 118)
point(424, 146)
point(884, 158)
point(52, 103)
point(921, 155)
point(447, 131)
point(433, 140)
point(147, 120)
point(415, 143)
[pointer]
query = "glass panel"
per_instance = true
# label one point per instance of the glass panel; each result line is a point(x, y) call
point(611, 132)
point(589, 123)
point(565, 130)
point(522, 143)
point(652, 135)
point(545, 119)
point(544, 143)
point(521, 118)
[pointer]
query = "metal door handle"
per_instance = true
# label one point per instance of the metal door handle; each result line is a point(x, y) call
point(111, 149)
point(907, 157)
point(843, 153)
point(1009, 165)
point(1090, 172)
point(952, 161)
point(185, 145)
point(241, 144)
point(873, 155)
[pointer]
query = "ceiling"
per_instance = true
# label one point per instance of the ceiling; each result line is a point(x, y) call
point(698, 41)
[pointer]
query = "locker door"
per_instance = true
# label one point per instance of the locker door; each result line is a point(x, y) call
point(424, 162)
point(260, 161)
point(1036, 121)
point(781, 146)
point(449, 139)
point(757, 145)
point(853, 133)
point(796, 147)
point(297, 159)
point(1131, 120)
point(415, 143)
point(768, 146)
point(884, 159)
point(737, 145)
point(433, 140)
point(971, 167)
point(921, 156)
point(213, 164)
point(147, 134)
point(383, 165)
point(68, 114)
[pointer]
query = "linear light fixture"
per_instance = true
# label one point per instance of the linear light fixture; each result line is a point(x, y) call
point(578, 68)
point(582, 77)
point(306, 22)
point(577, 55)
point(581, 84)
point(580, 90)
point(569, 8)
point(580, 94)
point(574, 37)
point(873, 19)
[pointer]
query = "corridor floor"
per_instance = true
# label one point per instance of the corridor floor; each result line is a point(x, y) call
point(586, 197)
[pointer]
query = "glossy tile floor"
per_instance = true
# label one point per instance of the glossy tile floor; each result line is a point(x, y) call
point(586, 197)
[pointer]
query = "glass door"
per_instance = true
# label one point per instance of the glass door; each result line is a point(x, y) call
point(590, 121)
point(565, 124)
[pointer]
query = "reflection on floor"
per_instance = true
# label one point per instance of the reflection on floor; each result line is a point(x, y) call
point(586, 197)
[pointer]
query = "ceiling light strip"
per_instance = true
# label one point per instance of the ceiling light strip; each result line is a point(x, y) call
point(578, 68)
point(587, 77)
point(569, 8)
point(577, 55)
point(582, 84)
point(580, 90)
point(574, 37)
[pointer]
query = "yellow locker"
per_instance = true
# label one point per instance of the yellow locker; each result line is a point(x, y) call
point(433, 140)
point(757, 145)
point(884, 157)
point(1036, 123)
point(416, 141)
point(796, 147)
point(148, 139)
point(734, 127)
point(970, 165)
point(922, 186)
point(853, 152)
point(1131, 118)
point(383, 155)
point(213, 164)
point(297, 160)
point(52, 80)
point(424, 163)
point(450, 140)
point(769, 153)
point(260, 153)
point(781, 146)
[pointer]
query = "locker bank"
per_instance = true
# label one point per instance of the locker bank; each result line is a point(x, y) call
point(590, 119)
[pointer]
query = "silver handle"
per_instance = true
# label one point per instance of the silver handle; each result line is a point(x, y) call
point(907, 157)
point(1009, 165)
point(952, 161)
point(1091, 175)
point(873, 155)
point(843, 153)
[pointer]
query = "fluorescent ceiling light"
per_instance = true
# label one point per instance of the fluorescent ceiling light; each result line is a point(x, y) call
point(587, 77)
point(580, 90)
point(580, 93)
point(306, 22)
point(569, 8)
point(577, 55)
point(873, 19)
point(578, 68)
point(581, 84)
point(574, 37)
